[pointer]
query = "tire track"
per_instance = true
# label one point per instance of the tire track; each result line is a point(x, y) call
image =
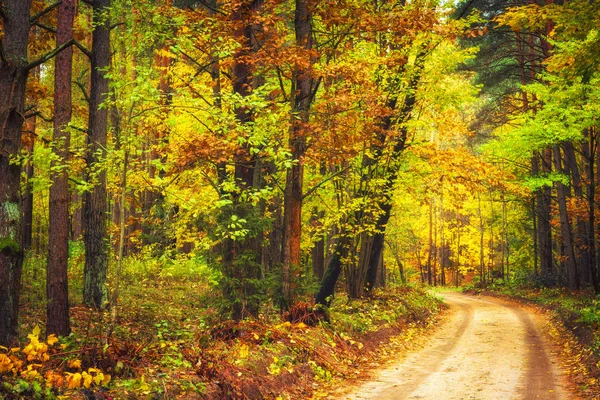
point(486, 349)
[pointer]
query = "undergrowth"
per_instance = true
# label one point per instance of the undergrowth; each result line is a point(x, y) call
point(170, 339)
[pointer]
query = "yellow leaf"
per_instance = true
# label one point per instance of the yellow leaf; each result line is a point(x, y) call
point(87, 379)
point(74, 381)
point(98, 379)
point(36, 331)
point(106, 379)
point(243, 351)
point(52, 339)
point(74, 363)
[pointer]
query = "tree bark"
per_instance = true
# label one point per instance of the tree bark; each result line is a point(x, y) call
point(318, 250)
point(565, 227)
point(587, 150)
point(299, 119)
point(543, 198)
point(57, 293)
point(242, 257)
point(581, 242)
point(332, 272)
point(95, 293)
point(27, 203)
point(13, 77)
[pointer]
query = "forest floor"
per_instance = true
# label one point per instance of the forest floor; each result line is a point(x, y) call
point(485, 348)
point(170, 341)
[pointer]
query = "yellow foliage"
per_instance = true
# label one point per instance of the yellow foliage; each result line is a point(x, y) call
point(73, 380)
point(25, 365)
point(243, 351)
point(52, 339)
point(6, 364)
point(87, 379)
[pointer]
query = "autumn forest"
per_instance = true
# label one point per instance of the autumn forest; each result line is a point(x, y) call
point(256, 198)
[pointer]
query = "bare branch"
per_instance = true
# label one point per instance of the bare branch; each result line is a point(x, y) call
point(50, 55)
point(81, 87)
point(45, 27)
point(113, 26)
point(324, 181)
point(43, 12)
point(82, 49)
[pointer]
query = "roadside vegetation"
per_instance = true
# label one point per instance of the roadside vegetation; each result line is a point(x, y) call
point(171, 341)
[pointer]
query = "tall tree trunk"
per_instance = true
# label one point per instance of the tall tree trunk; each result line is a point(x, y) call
point(57, 289)
point(27, 203)
point(589, 152)
point(298, 132)
point(95, 292)
point(13, 77)
point(565, 227)
point(318, 250)
point(581, 242)
point(543, 206)
point(430, 248)
point(241, 258)
point(481, 240)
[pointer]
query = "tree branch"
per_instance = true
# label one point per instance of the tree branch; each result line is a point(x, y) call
point(83, 91)
point(43, 12)
point(50, 55)
point(113, 26)
point(45, 27)
point(82, 48)
point(324, 181)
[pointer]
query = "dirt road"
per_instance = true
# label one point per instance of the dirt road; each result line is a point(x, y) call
point(486, 348)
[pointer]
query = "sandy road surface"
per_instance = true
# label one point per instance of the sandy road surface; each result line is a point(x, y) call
point(486, 348)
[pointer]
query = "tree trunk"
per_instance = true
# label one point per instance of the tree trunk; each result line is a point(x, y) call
point(543, 205)
point(318, 250)
point(57, 290)
point(13, 77)
point(565, 227)
point(581, 243)
point(95, 292)
point(301, 100)
point(27, 203)
point(430, 249)
point(242, 257)
point(332, 273)
point(587, 150)
point(481, 240)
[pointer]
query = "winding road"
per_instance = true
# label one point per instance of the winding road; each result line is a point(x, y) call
point(486, 348)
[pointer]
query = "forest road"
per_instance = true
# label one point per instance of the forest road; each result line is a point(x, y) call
point(485, 348)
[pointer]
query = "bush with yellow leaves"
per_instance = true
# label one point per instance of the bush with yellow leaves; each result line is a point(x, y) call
point(30, 364)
